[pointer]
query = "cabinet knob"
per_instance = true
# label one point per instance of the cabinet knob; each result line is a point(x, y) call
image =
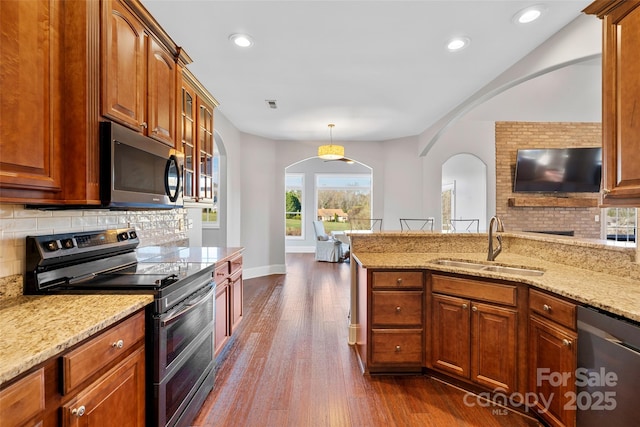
point(397, 348)
point(144, 125)
point(566, 343)
point(474, 308)
point(546, 308)
point(606, 191)
point(464, 306)
point(399, 280)
point(118, 344)
point(398, 309)
point(78, 412)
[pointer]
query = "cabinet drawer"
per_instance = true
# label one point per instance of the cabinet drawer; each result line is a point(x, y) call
point(475, 289)
point(553, 308)
point(396, 279)
point(23, 400)
point(235, 264)
point(98, 352)
point(221, 272)
point(396, 308)
point(396, 346)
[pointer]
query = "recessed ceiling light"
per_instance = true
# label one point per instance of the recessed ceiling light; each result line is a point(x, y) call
point(242, 40)
point(529, 14)
point(458, 43)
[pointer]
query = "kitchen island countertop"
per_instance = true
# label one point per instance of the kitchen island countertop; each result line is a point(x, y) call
point(615, 294)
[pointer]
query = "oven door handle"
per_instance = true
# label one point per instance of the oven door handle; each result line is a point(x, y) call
point(187, 308)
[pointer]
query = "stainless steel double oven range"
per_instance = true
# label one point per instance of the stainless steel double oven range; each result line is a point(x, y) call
point(180, 322)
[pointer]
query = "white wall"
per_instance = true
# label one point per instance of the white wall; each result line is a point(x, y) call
point(403, 183)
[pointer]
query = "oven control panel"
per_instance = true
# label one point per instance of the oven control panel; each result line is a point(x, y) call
point(81, 243)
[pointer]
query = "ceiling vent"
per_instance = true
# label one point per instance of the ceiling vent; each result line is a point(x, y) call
point(271, 103)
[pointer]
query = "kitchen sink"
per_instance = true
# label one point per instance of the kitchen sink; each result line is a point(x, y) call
point(513, 270)
point(494, 268)
point(463, 264)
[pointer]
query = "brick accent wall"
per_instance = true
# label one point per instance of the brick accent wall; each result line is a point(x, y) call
point(510, 136)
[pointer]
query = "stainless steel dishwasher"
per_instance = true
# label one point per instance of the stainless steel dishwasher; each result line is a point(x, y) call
point(608, 370)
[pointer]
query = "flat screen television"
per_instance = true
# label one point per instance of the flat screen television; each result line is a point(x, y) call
point(566, 170)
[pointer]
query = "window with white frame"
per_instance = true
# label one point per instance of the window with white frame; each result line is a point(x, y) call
point(293, 212)
point(621, 224)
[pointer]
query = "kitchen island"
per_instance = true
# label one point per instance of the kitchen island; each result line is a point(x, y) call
point(432, 303)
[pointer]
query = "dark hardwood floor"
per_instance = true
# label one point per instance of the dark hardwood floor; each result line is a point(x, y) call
point(289, 364)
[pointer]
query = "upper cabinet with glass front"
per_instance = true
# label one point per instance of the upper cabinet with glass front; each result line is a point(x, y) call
point(197, 141)
point(139, 74)
point(620, 100)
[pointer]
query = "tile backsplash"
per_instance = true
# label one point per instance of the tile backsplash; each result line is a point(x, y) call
point(154, 227)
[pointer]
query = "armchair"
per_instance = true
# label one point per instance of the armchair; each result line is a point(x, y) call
point(327, 247)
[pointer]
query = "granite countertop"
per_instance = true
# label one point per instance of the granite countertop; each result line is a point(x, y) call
point(618, 295)
point(34, 329)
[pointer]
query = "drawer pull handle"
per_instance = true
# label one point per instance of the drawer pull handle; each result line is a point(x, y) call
point(78, 412)
point(399, 280)
point(118, 344)
point(398, 309)
point(546, 308)
point(397, 349)
point(566, 343)
point(464, 306)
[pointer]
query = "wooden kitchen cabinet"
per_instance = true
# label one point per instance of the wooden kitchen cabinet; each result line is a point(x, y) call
point(30, 84)
point(23, 402)
point(228, 303)
point(620, 101)
point(197, 139)
point(65, 66)
point(117, 398)
point(475, 331)
point(100, 381)
point(552, 351)
point(392, 334)
point(139, 74)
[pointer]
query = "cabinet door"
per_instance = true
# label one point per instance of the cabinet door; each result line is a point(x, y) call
point(450, 334)
point(188, 140)
point(222, 329)
point(205, 151)
point(123, 66)
point(494, 346)
point(552, 358)
point(621, 106)
point(117, 398)
point(236, 288)
point(161, 89)
point(29, 86)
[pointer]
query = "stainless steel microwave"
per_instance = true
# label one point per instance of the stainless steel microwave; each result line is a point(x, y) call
point(138, 172)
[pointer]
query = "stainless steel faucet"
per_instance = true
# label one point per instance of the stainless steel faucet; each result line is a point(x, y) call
point(499, 227)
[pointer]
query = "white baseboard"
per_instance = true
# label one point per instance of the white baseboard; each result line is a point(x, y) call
point(250, 273)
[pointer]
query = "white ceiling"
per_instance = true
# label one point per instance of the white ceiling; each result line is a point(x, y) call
point(379, 70)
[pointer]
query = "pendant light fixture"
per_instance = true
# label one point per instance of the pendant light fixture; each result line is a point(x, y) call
point(330, 151)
